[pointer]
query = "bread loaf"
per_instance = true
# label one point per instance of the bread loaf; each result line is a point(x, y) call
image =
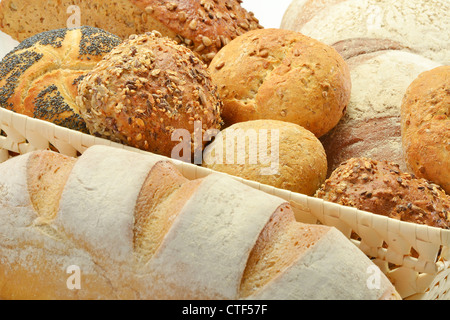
point(382, 188)
point(203, 26)
point(420, 26)
point(371, 124)
point(276, 153)
point(281, 75)
point(135, 228)
point(144, 90)
point(425, 119)
point(39, 77)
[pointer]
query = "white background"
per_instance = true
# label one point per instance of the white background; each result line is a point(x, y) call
point(268, 12)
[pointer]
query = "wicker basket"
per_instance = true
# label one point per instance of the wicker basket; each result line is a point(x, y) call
point(415, 258)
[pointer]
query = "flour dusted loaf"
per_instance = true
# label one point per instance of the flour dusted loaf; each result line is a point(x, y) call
point(382, 188)
point(420, 26)
point(425, 115)
point(147, 88)
point(203, 26)
point(371, 125)
point(282, 75)
point(137, 229)
point(276, 153)
point(39, 77)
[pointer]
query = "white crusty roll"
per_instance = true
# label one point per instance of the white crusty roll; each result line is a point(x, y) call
point(421, 25)
point(135, 228)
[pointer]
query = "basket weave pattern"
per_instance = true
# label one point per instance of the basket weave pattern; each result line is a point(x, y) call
point(416, 258)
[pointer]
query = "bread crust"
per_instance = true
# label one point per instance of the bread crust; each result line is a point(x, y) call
point(425, 122)
point(282, 75)
point(300, 166)
point(380, 187)
point(144, 90)
point(421, 26)
point(371, 125)
point(203, 26)
point(39, 77)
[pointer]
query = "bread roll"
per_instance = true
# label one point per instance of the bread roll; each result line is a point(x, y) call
point(421, 26)
point(381, 188)
point(203, 26)
point(134, 228)
point(371, 125)
point(425, 114)
point(282, 75)
point(276, 153)
point(39, 77)
point(144, 90)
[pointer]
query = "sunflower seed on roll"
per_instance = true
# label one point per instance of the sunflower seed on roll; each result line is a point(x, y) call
point(144, 90)
point(380, 187)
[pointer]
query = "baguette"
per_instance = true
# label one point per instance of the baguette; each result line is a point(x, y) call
point(204, 27)
point(137, 229)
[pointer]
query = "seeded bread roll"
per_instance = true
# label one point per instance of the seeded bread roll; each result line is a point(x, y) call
point(381, 188)
point(282, 75)
point(420, 26)
point(144, 90)
point(425, 114)
point(39, 77)
point(276, 153)
point(203, 26)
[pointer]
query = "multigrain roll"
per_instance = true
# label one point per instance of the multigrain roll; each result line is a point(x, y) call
point(381, 188)
point(425, 120)
point(203, 26)
point(420, 25)
point(144, 90)
point(282, 75)
point(39, 77)
point(371, 125)
point(272, 152)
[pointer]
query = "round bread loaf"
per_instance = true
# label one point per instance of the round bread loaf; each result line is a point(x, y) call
point(381, 188)
point(282, 75)
point(39, 77)
point(203, 26)
point(371, 125)
point(144, 90)
point(272, 152)
point(420, 25)
point(425, 114)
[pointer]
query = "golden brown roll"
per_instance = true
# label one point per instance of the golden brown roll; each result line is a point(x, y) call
point(272, 152)
point(144, 90)
point(425, 120)
point(282, 75)
point(39, 77)
point(203, 26)
point(381, 188)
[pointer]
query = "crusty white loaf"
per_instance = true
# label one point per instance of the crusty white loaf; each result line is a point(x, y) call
point(137, 229)
point(421, 25)
point(371, 125)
